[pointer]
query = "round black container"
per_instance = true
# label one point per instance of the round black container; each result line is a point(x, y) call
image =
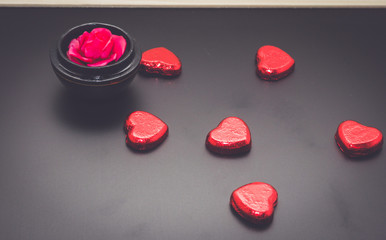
point(95, 82)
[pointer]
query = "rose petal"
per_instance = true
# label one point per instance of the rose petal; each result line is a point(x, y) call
point(103, 37)
point(82, 38)
point(98, 44)
point(107, 49)
point(102, 34)
point(73, 52)
point(93, 49)
point(74, 44)
point(119, 46)
point(73, 59)
point(78, 56)
point(90, 39)
point(103, 62)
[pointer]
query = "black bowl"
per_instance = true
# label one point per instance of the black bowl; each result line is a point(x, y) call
point(95, 82)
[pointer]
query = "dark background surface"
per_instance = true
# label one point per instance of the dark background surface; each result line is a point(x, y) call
point(65, 172)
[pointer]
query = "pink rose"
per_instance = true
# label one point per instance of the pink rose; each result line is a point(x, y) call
point(97, 48)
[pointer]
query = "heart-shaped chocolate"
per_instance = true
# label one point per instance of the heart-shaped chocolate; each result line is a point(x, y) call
point(273, 63)
point(231, 136)
point(144, 131)
point(160, 61)
point(255, 202)
point(357, 140)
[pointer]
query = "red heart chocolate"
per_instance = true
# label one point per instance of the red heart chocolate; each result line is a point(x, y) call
point(356, 140)
point(231, 136)
point(160, 61)
point(144, 131)
point(255, 202)
point(273, 63)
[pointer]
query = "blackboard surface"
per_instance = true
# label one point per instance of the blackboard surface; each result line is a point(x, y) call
point(65, 172)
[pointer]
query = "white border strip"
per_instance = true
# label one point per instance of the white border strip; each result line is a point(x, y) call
point(195, 3)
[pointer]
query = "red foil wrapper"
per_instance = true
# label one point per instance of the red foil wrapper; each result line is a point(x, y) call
point(160, 61)
point(357, 140)
point(144, 131)
point(273, 63)
point(231, 136)
point(255, 202)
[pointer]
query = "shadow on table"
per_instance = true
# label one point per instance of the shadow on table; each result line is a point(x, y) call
point(230, 156)
point(370, 157)
point(94, 114)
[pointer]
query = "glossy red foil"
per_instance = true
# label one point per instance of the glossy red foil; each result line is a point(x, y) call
point(357, 140)
point(273, 63)
point(144, 131)
point(160, 61)
point(231, 136)
point(255, 202)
